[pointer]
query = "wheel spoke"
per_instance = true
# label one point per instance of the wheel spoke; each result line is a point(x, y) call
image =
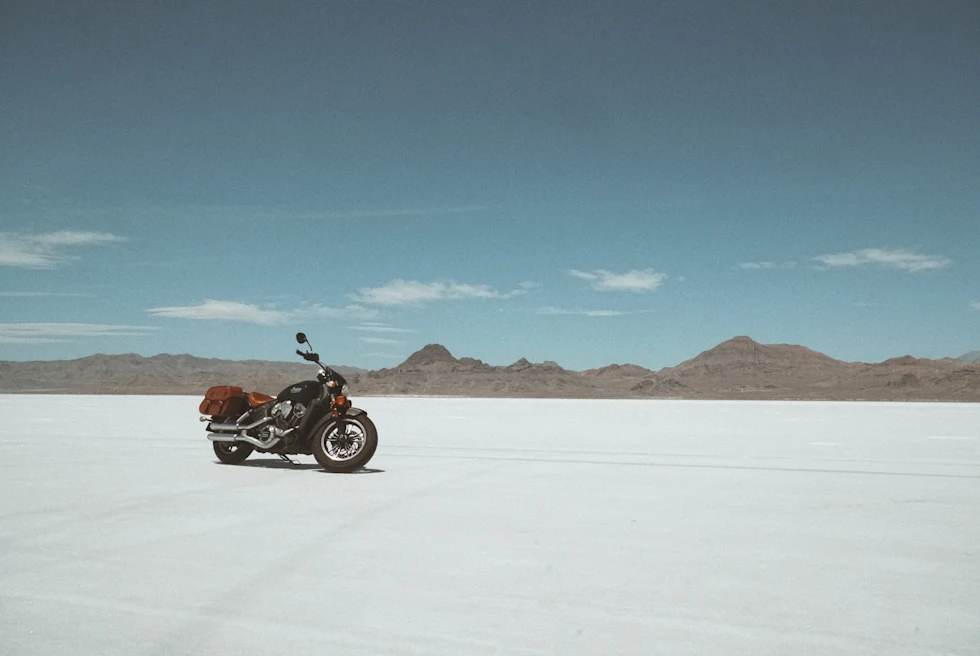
point(344, 446)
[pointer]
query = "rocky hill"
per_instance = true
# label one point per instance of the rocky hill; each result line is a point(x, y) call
point(972, 356)
point(744, 369)
point(739, 368)
point(159, 374)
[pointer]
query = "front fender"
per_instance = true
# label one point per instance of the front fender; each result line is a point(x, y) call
point(323, 410)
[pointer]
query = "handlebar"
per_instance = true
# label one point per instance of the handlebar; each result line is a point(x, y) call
point(311, 357)
point(315, 358)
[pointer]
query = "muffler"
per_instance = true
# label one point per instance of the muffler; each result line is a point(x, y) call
point(237, 427)
point(254, 441)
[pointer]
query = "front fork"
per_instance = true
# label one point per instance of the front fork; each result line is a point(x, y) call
point(340, 412)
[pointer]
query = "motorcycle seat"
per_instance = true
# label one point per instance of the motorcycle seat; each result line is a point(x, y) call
point(255, 399)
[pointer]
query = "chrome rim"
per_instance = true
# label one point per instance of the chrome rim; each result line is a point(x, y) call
point(341, 447)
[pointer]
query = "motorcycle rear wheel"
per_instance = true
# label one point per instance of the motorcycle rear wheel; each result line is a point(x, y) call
point(342, 454)
point(232, 453)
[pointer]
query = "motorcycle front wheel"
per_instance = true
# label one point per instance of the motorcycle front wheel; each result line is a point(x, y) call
point(345, 452)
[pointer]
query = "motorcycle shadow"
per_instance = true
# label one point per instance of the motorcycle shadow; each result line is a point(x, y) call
point(269, 463)
point(362, 470)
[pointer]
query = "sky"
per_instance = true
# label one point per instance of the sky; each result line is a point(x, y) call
point(583, 182)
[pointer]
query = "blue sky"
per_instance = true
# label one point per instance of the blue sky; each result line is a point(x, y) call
point(585, 182)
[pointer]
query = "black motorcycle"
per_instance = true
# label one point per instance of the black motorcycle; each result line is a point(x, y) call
point(312, 417)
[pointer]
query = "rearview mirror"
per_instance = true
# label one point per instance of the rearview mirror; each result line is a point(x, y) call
point(301, 338)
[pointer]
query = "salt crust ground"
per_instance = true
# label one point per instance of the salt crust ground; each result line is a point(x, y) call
point(496, 527)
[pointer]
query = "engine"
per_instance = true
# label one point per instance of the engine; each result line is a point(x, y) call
point(287, 414)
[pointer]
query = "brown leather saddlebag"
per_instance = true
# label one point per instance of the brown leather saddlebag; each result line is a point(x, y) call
point(224, 401)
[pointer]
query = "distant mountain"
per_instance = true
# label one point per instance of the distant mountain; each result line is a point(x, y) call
point(743, 364)
point(433, 370)
point(972, 356)
point(743, 368)
point(739, 368)
point(431, 355)
point(159, 374)
point(624, 370)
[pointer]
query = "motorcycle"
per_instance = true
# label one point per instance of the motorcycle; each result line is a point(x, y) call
point(312, 417)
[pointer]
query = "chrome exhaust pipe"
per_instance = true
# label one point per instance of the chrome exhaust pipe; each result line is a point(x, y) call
point(254, 441)
point(237, 427)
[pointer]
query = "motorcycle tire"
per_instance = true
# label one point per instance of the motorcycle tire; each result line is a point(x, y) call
point(329, 459)
point(232, 453)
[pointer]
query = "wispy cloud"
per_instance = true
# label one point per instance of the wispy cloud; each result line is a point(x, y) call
point(40, 333)
point(37, 294)
point(397, 212)
point(903, 259)
point(381, 356)
point(413, 292)
point(380, 328)
point(379, 340)
point(754, 266)
point(637, 280)
point(238, 213)
point(975, 305)
point(316, 312)
point(549, 310)
point(213, 310)
point(49, 249)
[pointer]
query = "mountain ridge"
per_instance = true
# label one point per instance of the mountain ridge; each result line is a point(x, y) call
point(738, 368)
point(972, 356)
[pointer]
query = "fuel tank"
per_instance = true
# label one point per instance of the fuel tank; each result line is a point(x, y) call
point(303, 392)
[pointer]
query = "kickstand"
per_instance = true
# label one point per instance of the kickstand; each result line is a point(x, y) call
point(286, 458)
